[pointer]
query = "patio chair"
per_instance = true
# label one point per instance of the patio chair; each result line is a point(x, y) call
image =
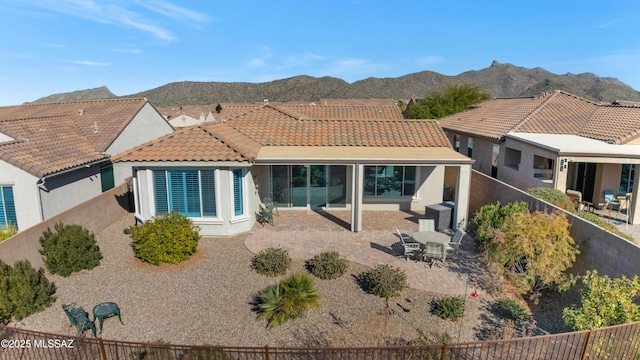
point(426, 225)
point(610, 201)
point(409, 248)
point(265, 215)
point(435, 252)
point(454, 244)
point(270, 204)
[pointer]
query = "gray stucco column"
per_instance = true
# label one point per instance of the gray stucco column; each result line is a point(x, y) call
point(633, 211)
point(463, 189)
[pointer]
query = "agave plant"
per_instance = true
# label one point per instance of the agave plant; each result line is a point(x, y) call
point(288, 299)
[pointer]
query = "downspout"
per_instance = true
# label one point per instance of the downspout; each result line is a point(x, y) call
point(41, 186)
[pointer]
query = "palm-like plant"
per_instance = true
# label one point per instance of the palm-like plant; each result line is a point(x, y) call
point(288, 299)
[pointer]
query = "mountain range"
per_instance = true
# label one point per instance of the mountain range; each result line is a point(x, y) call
point(501, 80)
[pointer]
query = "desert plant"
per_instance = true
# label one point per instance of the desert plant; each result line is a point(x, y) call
point(450, 307)
point(512, 309)
point(8, 232)
point(328, 265)
point(533, 252)
point(288, 299)
point(386, 281)
point(209, 354)
point(23, 291)
point(166, 239)
point(604, 302)
point(554, 197)
point(68, 249)
point(272, 261)
point(491, 217)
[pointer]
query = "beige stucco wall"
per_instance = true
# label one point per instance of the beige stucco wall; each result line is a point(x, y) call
point(523, 177)
point(607, 177)
point(25, 194)
point(69, 189)
point(147, 125)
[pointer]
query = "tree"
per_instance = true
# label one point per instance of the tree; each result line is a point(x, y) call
point(604, 302)
point(533, 251)
point(452, 99)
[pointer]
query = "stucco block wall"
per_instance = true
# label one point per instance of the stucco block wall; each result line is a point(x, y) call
point(483, 155)
point(96, 215)
point(70, 189)
point(25, 194)
point(147, 125)
point(599, 249)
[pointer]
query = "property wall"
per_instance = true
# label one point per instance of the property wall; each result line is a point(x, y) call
point(25, 194)
point(599, 249)
point(70, 189)
point(147, 125)
point(95, 215)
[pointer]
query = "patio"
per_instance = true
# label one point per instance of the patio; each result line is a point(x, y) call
point(305, 233)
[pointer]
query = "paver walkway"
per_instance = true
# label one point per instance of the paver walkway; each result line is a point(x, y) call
point(305, 233)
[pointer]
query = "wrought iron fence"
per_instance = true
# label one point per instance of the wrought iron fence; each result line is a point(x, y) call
point(621, 342)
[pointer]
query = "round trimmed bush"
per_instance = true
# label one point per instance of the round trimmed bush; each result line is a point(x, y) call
point(23, 291)
point(386, 281)
point(68, 249)
point(166, 239)
point(512, 309)
point(271, 262)
point(451, 307)
point(328, 265)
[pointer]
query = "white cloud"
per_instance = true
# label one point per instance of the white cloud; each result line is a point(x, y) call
point(129, 51)
point(90, 63)
point(173, 11)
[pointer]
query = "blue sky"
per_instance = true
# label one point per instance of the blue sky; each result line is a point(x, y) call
point(54, 46)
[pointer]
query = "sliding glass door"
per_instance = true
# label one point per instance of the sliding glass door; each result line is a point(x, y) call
point(315, 186)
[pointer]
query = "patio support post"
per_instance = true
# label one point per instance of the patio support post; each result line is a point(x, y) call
point(632, 208)
point(356, 207)
point(463, 190)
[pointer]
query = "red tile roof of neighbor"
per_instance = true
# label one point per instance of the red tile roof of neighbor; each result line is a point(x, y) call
point(555, 113)
point(295, 109)
point(269, 125)
point(49, 138)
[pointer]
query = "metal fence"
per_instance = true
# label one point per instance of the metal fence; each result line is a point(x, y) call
point(621, 342)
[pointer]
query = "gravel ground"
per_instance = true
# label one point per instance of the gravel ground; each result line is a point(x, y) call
point(208, 300)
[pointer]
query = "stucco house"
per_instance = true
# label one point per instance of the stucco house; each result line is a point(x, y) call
point(57, 155)
point(556, 140)
point(304, 157)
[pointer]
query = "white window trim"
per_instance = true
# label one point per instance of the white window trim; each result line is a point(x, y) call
point(245, 199)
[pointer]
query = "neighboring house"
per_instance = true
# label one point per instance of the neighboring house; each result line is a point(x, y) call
point(556, 140)
point(56, 156)
point(218, 173)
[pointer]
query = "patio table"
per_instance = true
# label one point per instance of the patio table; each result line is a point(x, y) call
point(424, 237)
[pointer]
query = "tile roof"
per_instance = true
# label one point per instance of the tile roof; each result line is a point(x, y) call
point(268, 125)
point(189, 144)
point(49, 138)
point(555, 113)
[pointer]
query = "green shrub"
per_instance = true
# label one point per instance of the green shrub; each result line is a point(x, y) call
point(8, 232)
point(604, 302)
point(166, 239)
point(328, 265)
point(554, 197)
point(491, 217)
point(386, 281)
point(271, 261)
point(69, 249)
point(595, 219)
point(288, 299)
point(451, 307)
point(512, 309)
point(23, 291)
point(209, 354)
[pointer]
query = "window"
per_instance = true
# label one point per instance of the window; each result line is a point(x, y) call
point(189, 192)
point(7, 207)
point(470, 147)
point(389, 180)
point(238, 204)
point(626, 178)
point(106, 177)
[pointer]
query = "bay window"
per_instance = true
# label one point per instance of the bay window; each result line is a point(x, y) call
point(189, 192)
